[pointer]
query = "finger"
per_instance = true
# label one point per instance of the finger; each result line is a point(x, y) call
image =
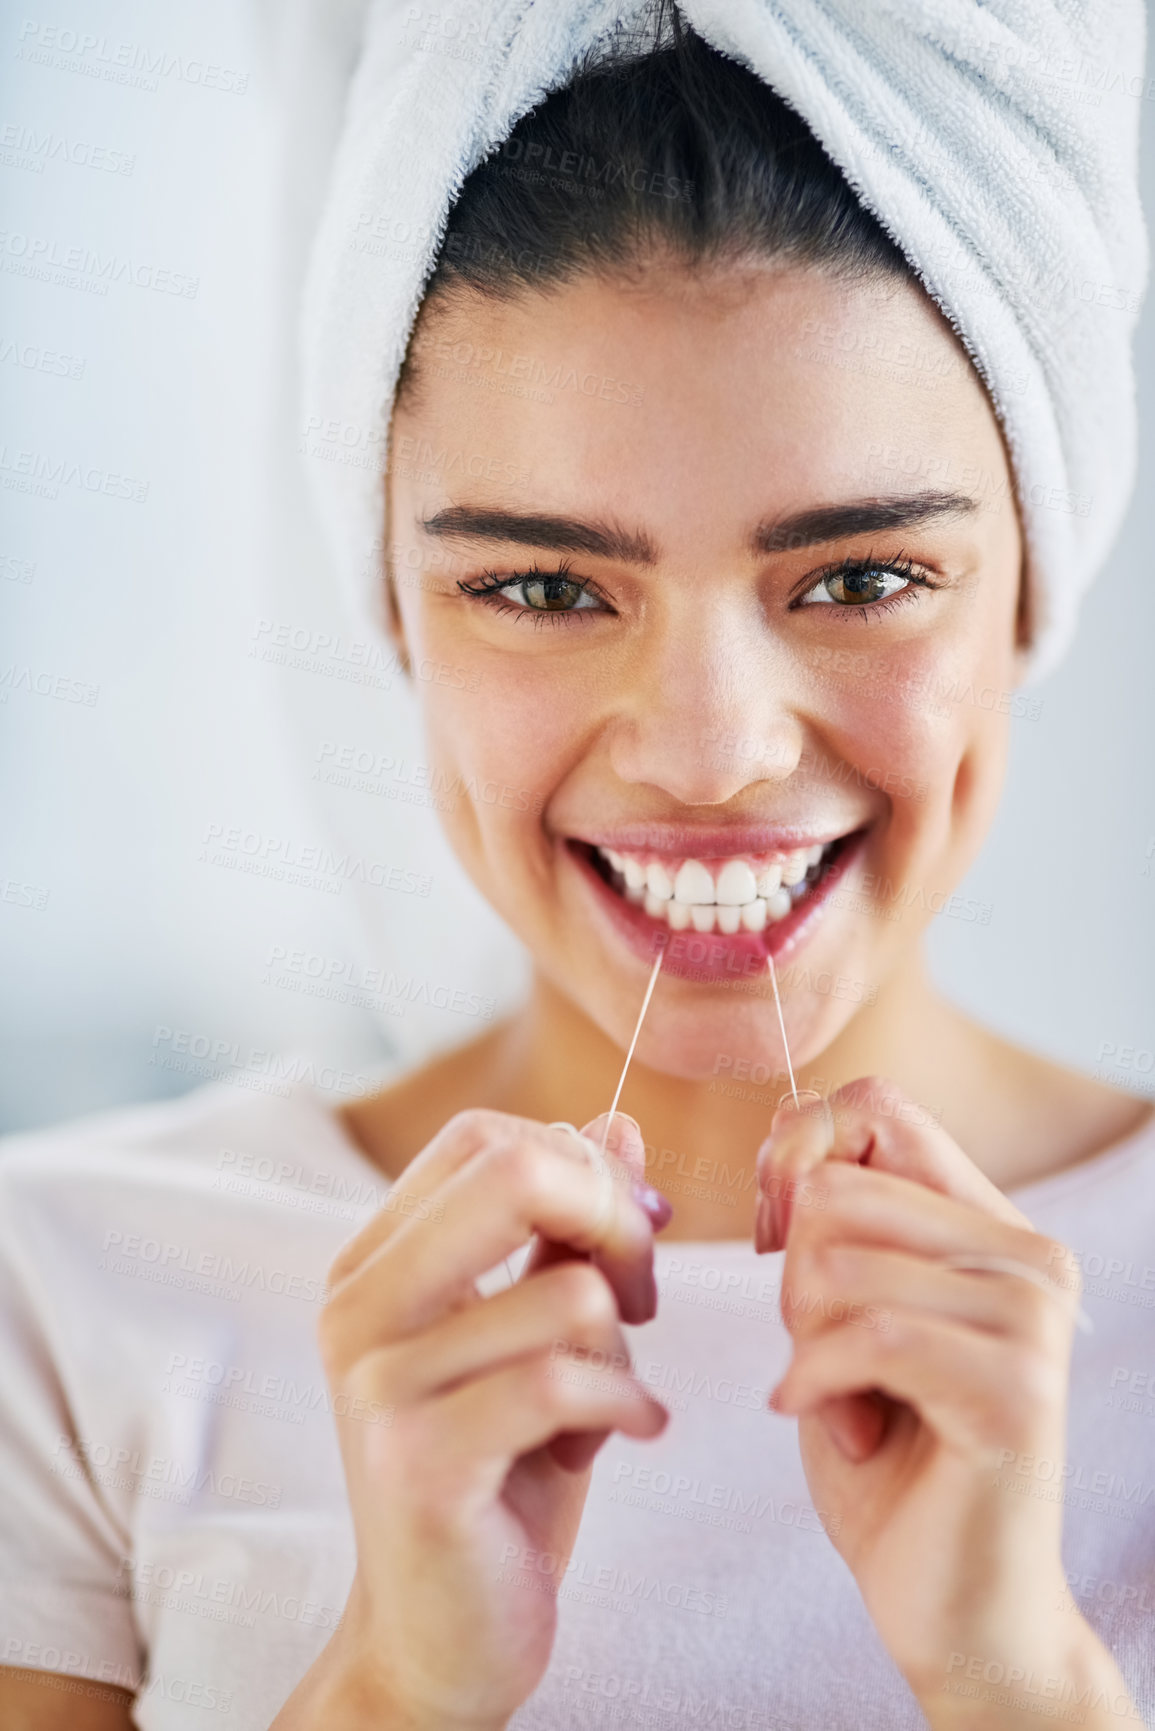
point(975, 1392)
point(464, 1442)
point(869, 1123)
point(863, 1125)
point(802, 1136)
point(907, 1140)
point(625, 1149)
point(621, 1138)
point(832, 1284)
point(841, 1204)
point(873, 1124)
point(523, 1184)
point(412, 1194)
point(574, 1450)
point(856, 1423)
point(802, 1133)
point(829, 1283)
point(625, 1156)
point(566, 1310)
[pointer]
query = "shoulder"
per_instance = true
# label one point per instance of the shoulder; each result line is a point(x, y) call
point(174, 1186)
point(1052, 1119)
point(214, 1129)
point(161, 1273)
point(1102, 1196)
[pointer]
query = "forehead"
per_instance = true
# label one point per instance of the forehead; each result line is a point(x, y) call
point(698, 392)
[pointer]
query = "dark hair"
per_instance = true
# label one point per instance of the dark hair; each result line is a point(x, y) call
point(670, 145)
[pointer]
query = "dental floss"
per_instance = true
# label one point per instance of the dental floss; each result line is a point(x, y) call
point(782, 1025)
point(589, 1147)
point(572, 1129)
point(633, 1043)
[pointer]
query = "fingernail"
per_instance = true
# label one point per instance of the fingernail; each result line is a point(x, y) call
point(659, 1208)
point(810, 1100)
point(764, 1225)
point(640, 1291)
point(808, 1104)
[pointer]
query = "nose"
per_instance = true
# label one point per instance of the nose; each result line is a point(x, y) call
point(707, 714)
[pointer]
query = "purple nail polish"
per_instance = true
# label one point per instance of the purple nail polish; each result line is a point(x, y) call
point(659, 1208)
point(650, 1295)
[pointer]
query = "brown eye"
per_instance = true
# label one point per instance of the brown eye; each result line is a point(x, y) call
point(858, 585)
point(550, 594)
point(555, 593)
point(864, 585)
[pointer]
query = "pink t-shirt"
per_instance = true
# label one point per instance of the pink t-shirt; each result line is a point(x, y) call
point(174, 1517)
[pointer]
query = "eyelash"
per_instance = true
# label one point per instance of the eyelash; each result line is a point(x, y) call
point(489, 587)
point(914, 577)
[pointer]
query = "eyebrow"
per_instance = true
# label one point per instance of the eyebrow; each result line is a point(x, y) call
point(560, 534)
point(775, 535)
point(859, 517)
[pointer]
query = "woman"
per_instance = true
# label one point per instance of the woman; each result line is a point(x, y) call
point(706, 620)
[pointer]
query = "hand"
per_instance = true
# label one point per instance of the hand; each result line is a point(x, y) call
point(921, 1389)
point(470, 1424)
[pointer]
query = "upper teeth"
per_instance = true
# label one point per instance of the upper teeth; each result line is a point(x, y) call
point(744, 893)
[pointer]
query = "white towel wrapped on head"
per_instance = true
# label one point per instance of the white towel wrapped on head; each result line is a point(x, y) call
point(997, 143)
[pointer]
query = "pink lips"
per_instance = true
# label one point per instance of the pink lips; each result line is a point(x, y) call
point(684, 841)
point(714, 957)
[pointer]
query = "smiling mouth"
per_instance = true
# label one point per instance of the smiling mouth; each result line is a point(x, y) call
point(715, 916)
point(743, 894)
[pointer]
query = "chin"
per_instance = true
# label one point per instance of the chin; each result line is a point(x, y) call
point(701, 1042)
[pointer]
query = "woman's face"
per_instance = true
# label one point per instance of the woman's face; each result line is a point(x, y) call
point(709, 584)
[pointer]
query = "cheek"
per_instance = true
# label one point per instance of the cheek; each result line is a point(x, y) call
point(491, 730)
point(924, 727)
point(886, 712)
point(501, 743)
